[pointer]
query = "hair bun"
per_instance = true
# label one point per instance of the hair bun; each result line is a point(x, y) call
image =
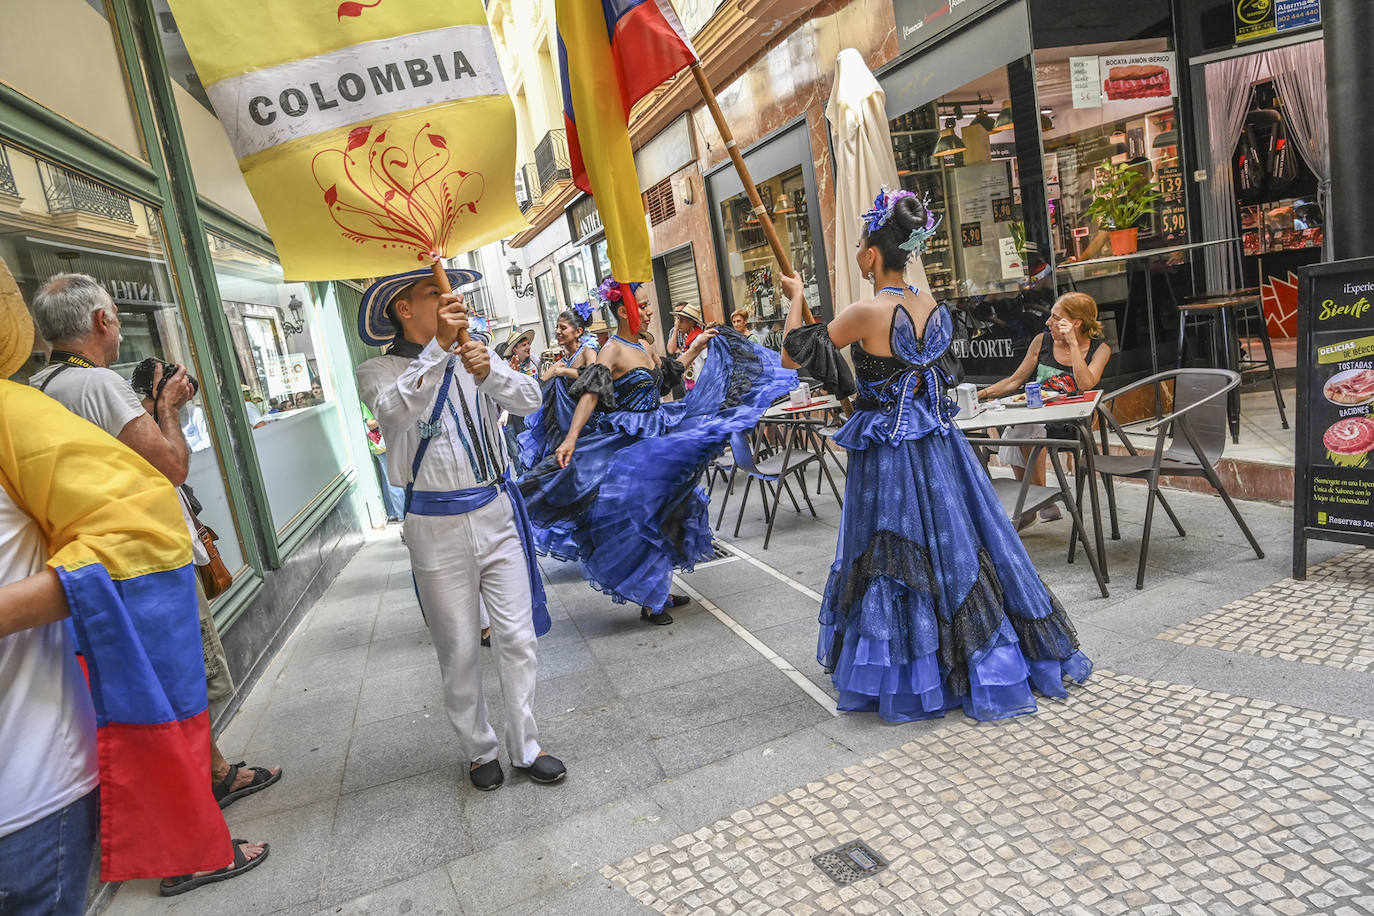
point(909, 213)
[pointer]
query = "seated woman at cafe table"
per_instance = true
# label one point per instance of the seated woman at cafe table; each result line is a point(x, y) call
point(1069, 357)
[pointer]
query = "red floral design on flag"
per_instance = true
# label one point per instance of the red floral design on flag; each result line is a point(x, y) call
point(353, 9)
point(400, 195)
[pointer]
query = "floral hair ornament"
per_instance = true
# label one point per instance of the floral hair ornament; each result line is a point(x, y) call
point(583, 310)
point(614, 293)
point(883, 206)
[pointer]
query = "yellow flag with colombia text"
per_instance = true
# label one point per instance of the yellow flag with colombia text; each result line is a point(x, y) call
point(374, 136)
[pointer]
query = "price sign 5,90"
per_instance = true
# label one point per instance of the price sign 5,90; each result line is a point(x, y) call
point(971, 234)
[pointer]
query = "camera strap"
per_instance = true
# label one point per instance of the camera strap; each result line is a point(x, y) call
point(64, 360)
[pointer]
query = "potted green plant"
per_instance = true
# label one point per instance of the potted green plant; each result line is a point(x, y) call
point(1120, 199)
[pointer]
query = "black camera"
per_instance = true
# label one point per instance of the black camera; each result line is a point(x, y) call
point(142, 380)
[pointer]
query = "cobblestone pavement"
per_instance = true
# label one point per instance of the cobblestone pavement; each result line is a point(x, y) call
point(1182, 778)
point(1132, 796)
point(1328, 619)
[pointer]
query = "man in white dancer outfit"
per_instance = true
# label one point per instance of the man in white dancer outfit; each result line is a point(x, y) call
point(465, 523)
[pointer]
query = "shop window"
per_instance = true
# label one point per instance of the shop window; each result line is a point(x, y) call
point(97, 230)
point(548, 299)
point(574, 277)
point(1103, 105)
point(752, 268)
point(285, 378)
point(63, 54)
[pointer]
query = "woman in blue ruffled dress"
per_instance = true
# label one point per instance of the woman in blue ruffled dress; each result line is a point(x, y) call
point(932, 603)
point(620, 493)
point(547, 426)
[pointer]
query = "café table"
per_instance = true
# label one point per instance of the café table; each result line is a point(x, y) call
point(1076, 411)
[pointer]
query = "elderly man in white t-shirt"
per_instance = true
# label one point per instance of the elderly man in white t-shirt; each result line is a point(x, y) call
point(79, 320)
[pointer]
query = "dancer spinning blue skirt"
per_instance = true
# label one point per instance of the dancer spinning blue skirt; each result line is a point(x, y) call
point(620, 492)
point(547, 426)
point(932, 603)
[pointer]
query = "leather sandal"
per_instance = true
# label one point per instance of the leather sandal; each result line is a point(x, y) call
point(262, 778)
point(180, 884)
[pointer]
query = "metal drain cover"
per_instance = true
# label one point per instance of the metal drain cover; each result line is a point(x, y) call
point(850, 862)
point(720, 550)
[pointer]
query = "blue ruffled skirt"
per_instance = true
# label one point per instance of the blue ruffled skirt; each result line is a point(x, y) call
point(932, 603)
point(628, 507)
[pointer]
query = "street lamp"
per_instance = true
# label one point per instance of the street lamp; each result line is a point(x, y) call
point(514, 272)
point(297, 325)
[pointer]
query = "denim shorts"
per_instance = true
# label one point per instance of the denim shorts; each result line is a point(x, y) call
point(44, 867)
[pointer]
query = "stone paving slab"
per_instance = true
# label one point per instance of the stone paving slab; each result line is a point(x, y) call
point(1132, 796)
point(1328, 619)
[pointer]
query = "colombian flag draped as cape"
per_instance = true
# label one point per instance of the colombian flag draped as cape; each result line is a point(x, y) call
point(118, 542)
point(612, 53)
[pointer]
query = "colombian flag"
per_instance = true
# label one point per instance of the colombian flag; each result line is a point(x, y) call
point(373, 135)
point(120, 547)
point(612, 53)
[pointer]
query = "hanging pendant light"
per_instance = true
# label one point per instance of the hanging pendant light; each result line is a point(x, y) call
point(784, 207)
point(1046, 121)
point(1004, 121)
point(1166, 139)
point(949, 142)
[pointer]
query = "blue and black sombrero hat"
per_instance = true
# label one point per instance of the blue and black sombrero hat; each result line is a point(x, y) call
point(374, 327)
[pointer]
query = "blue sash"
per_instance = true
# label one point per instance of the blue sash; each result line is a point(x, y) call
point(460, 502)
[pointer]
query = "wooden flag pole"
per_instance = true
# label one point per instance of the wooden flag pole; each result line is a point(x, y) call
point(441, 277)
point(769, 230)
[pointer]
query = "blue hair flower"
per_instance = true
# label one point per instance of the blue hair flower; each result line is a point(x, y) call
point(584, 311)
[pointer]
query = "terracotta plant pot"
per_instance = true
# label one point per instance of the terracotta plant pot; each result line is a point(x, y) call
point(1124, 241)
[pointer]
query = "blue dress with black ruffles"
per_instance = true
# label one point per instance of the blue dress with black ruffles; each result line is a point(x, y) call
point(932, 603)
point(547, 426)
point(628, 506)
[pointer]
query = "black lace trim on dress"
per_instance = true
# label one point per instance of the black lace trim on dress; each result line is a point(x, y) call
point(595, 379)
point(811, 348)
point(969, 628)
point(670, 374)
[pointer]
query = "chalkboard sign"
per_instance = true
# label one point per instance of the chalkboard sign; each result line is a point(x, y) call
point(1333, 497)
point(1001, 210)
point(1173, 212)
point(971, 234)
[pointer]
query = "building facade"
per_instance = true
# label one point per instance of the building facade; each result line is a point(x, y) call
point(1007, 115)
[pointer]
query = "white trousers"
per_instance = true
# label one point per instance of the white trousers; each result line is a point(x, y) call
point(462, 562)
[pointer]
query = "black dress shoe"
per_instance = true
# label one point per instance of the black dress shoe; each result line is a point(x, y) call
point(488, 776)
point(678, 600)
point(661, 619)
point(545, 769)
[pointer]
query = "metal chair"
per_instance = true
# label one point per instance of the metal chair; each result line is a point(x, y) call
point(1189, 442)
point(771, 473)
point(1019, 497)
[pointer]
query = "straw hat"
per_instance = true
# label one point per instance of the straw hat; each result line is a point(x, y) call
point(514, 340)
point(691, 312)
point(373, 325)
point(16, 325)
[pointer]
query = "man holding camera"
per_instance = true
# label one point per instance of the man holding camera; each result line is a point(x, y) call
point(79, 320)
